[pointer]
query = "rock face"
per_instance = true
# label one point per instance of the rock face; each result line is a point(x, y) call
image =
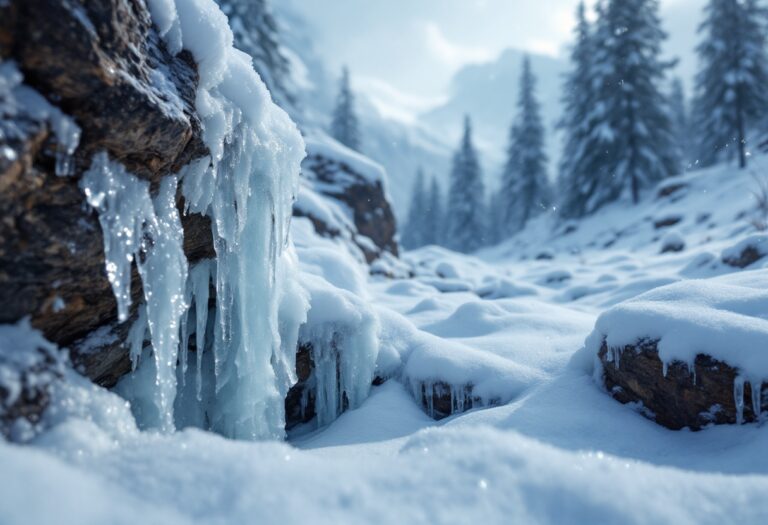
point(440, 400)
point(374, 227)
point(102, 63)
point(711, 393)
point(300, 402)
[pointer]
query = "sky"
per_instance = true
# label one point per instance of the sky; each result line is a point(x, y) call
point(410, 49)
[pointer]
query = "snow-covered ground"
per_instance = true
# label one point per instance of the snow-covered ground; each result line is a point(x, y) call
point(512, 322)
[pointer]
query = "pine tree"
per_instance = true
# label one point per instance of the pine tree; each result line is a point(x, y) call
point(581, 155)
point(680, 120)
point(495, 228)
point(732, 84)
point(465, 212)
point(630, 124)
point(434, 220)
point(256, 33)
point(525, 187)
point(344, 126)
point(415, 230)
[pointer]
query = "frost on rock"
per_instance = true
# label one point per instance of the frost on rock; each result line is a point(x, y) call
point(20, 103)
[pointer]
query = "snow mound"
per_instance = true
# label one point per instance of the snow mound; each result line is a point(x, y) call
point(724, 317)
point(747, 251)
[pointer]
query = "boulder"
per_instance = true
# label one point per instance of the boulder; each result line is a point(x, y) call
point(676, 396)
point(359, 209)
point(440, 400)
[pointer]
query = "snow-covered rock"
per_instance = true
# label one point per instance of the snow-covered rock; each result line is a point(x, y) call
point(344, 194)
point(693, 353)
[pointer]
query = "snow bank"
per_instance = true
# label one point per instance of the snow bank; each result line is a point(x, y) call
point(444, 475)
point(428, 365)
point(725, 318)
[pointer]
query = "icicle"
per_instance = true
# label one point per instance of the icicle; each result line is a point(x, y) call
point(738, 396)
point(68, 138)
point(200, 278)
point(246, 187)
point(163, 272)
point(124, 206)
point(136, 228)
point(184, 339)
point(15, 95)
point(757, 398)
point(136, 337)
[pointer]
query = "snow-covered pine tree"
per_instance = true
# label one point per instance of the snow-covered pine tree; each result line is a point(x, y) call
point(344, 125)
point(525, 187)
point(465, 213)
point(415, 227)
point(256, 32)
point(495, 227)
point(636, 128)
point(434, 219)
point(681, 120)
point(732, 84)
point(581, 155)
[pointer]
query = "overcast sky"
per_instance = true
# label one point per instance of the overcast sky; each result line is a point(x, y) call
point(413, 47)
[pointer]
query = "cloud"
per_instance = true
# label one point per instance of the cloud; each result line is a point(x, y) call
point(451, 53)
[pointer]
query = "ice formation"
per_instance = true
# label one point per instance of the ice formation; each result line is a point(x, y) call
point(343, 332)
point(20, 101)
point(245, 349)
point(147, 231)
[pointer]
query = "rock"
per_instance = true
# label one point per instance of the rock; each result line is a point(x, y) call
point(671, 188)
point(672, 242)
point(372, 217)
point(102, 63)
point(300, 401)
point(746, 252)
point(440, 400)
point(666, 222)
point(681, 397)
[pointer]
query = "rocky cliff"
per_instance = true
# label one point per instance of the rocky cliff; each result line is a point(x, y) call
point(100, 71)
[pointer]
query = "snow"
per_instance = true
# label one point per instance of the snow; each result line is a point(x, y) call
point(24, 354)
point(542, 442)
point(501, 333)
point(321, 145)
point(725, 318)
